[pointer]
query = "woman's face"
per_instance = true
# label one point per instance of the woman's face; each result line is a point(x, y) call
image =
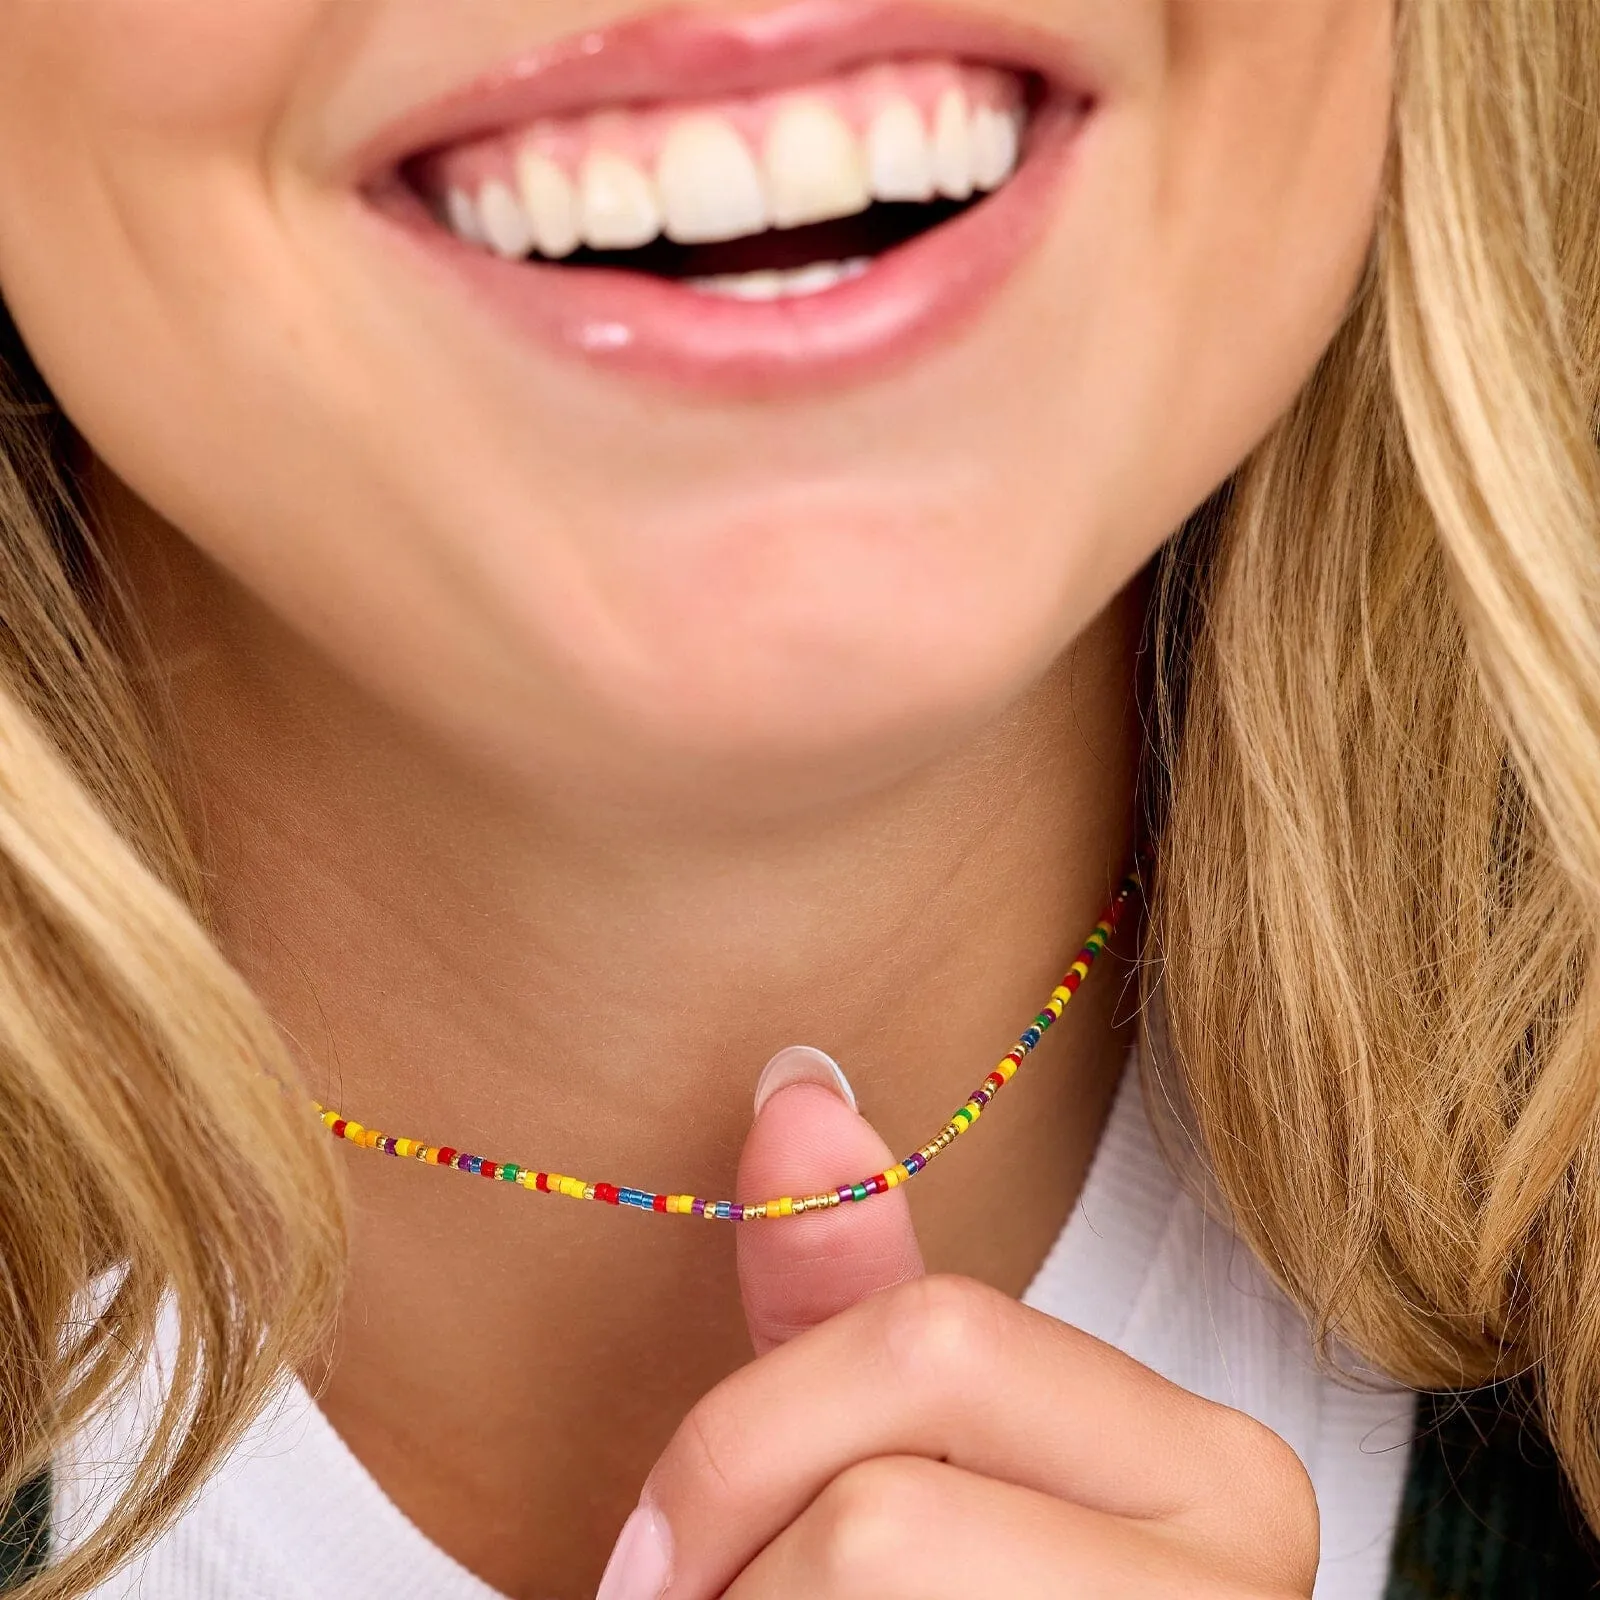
point(675, 512)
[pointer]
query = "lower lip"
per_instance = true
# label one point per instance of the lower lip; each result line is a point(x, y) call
point(913, 298)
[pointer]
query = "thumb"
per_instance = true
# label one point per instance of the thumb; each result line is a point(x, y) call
point(808, 1138)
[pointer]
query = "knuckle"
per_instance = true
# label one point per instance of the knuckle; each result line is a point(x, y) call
point(708, 1447)
point(939, 1331)
point(870, 1524)
point(1269, 1485)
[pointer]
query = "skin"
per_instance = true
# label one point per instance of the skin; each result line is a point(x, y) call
point(564, 747)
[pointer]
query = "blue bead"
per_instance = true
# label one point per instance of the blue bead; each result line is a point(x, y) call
point(636, 1198)
point(722, 1210)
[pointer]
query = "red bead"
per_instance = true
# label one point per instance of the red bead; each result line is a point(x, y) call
point(338, 1128)
point(877, 1184)
point(606, 1192)
point(1070, 983)
point(659, 1203)
point(994, 1081)
point(490, 1169)
point(447, 1158)
point(541, 1182)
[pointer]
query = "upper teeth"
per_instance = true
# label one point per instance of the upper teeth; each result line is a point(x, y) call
point(708, 184)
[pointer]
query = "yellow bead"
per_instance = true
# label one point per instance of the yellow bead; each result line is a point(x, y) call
point(329, 1118)
point(353, 1132)
point(1007, 1070)
point(1080, 967)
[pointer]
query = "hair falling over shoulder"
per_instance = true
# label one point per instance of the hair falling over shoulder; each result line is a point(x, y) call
point(1374, 918)
point(1375, 775)
point(152, 1157)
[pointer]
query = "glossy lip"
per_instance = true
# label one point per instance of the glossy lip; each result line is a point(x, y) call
point(678, 54)
point(911, 298)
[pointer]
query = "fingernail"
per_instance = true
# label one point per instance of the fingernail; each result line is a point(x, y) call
point(799, 1063)
point(641, 1564)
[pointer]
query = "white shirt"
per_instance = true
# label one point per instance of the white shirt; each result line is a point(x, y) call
point(294, 1516)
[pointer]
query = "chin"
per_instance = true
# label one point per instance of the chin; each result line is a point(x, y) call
point(873, 657)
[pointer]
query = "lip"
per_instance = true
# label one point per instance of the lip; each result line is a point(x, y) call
point(912, 297)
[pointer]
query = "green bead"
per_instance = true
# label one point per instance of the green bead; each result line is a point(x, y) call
point(509, 1173)
point(858, 1191)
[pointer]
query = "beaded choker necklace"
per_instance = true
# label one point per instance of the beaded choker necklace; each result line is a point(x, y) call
point(688, 1205)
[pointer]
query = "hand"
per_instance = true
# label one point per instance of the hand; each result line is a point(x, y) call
point(935, 1440)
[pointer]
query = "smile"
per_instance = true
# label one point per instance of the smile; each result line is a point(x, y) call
point(760, 202)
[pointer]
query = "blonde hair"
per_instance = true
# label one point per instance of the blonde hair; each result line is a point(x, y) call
point(1377, 881)
point(151, 1154)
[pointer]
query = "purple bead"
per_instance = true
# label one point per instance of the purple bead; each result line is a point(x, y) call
point(698, 1208)
point(845, 1193)
point(466, 1163)
point(736, 1213)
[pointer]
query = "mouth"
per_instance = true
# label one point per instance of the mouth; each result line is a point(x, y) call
point(757, 202)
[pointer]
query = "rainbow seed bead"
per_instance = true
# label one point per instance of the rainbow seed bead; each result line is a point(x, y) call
point(688, 1205)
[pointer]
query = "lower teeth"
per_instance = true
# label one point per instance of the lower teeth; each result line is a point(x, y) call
point(790, 284)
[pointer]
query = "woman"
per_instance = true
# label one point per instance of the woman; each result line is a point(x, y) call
point(555, 553)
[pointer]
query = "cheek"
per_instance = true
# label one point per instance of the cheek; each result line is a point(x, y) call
point(191, 67)
point(1238, 195)
point(1277, 122)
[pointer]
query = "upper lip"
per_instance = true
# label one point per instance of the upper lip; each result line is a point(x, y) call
point(682, 54)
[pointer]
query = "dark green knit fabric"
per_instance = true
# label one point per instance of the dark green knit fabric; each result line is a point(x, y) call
point(25, 1534)
point(1486, 1515)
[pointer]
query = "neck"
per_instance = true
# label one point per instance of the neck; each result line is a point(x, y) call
point(460, 960)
